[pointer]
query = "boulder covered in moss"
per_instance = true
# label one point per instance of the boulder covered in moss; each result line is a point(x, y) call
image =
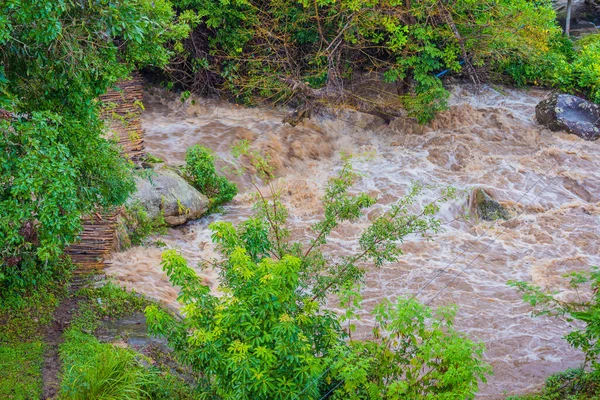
point(484, 206)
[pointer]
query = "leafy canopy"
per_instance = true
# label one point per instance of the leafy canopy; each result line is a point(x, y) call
point(56, 164)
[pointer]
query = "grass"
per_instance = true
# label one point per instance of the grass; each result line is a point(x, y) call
point(21, 370)
point(23, 317)
point(95, 370)
point(91, 369)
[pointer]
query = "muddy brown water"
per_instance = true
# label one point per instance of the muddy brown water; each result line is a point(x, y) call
point(487, 139)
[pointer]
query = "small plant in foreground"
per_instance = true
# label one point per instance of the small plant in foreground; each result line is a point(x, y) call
point(200, 170)
point(139, 225)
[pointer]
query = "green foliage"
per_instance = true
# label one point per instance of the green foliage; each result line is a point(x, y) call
point(138, 224)
point(268, 335)
point(107, 301)
point(93, 370)
point(419, 355)
point(586, 310)
point(56, 58)
point(570, 67)
point(262, 339)
point(586, 67)
point(21, 370)
point(162, 385)
point(572, 384)
point(254, 46)
point(200, 170)
point(23, 316)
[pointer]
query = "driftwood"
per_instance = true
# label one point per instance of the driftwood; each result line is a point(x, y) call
point(122, 111)
point(338, 97)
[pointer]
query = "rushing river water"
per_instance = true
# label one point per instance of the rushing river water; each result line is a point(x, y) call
point(550, 181)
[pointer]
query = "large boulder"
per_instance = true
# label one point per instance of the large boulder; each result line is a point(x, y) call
point(164, 190)
point(570, 113)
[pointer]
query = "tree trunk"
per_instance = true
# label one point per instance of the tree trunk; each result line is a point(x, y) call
point(568, 20)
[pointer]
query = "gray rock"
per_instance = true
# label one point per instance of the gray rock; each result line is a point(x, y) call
point(166, 191)
point(570, 113)
point(485, 207)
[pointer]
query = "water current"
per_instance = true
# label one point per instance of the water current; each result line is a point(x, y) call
point(488, 139)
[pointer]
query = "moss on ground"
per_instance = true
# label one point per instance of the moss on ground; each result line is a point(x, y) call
point(21, 366)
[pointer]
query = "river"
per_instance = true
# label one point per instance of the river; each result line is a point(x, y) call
point(488, 139)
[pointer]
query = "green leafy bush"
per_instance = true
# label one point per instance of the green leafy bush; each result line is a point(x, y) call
point(572, 67)
point(268, 335)
point(259, 51)
point(417, 355)
point(586, 67)
point(200, 170)
point(263, 339)
point(57, 57)
point(586, 310)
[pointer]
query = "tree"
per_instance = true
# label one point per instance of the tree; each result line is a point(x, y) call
point(56, 163)
point(378, 56)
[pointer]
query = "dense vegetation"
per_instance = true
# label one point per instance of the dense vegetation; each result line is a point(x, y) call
point(56, 164)
point(375, 55)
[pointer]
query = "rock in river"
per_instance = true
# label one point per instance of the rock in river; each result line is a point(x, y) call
point(485, 207)
point(165, 190)
point(570, 113)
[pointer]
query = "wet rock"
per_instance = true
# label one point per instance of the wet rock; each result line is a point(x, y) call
point(485, 207)
point(131, 329)
point(164, 190)
point(570, 113)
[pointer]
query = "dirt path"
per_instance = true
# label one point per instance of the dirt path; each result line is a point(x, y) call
point(53, 338)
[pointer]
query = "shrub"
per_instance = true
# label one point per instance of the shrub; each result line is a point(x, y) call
point(200, 170)
point(282, 51)
point(268, 335)
point(417, 355)
point(586, 310)
point(586, 67)
point(263, 339)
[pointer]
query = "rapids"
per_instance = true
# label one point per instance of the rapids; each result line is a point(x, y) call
point(489, 139)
